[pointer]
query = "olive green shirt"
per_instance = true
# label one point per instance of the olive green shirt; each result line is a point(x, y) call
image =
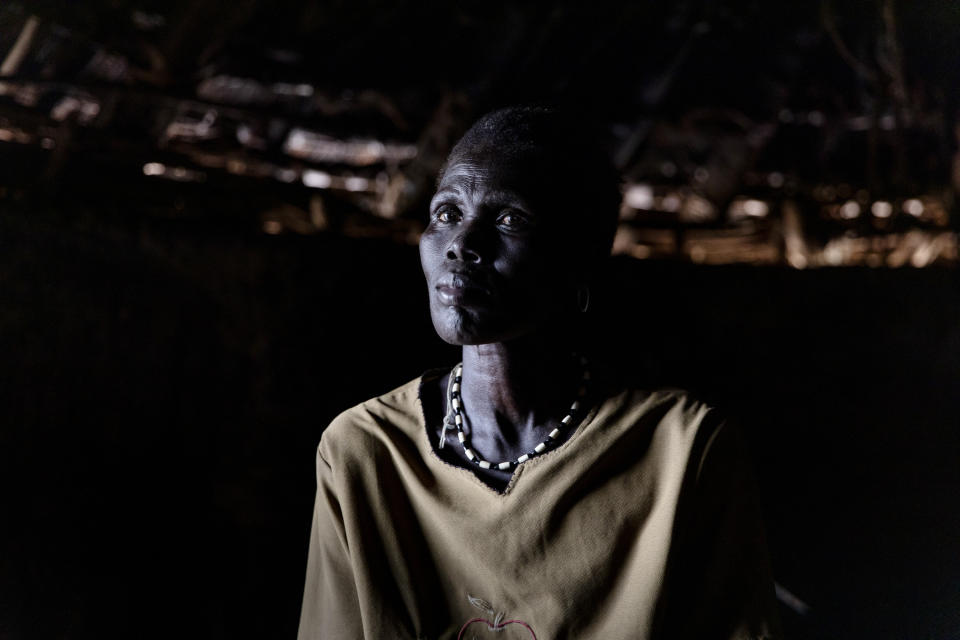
point(643, 524)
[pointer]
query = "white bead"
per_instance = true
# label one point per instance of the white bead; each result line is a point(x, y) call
point(540, 447)
point(469, 454)
point(553, 434)
point(566, 419)
point(456, 403)
point(458, 419)
point(484, 464)
point(456, 387)
point(462, 437)
point(523, 458)
point(575, 405)
point(503, 466)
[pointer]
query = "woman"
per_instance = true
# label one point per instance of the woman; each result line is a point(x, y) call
point(523, 494)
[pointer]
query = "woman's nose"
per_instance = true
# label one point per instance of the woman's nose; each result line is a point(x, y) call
point(467, 245)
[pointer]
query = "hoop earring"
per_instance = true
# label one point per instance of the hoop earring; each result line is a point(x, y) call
point(583, 298)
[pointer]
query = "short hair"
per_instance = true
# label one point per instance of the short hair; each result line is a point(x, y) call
point(570, 152)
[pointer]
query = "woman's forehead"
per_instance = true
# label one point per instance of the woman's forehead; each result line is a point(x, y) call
point(470, 173)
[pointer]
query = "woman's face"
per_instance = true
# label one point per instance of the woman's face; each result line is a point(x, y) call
point(492, 252)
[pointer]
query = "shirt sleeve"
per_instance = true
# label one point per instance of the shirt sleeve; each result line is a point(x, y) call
point(330, 605)
point(721, 585)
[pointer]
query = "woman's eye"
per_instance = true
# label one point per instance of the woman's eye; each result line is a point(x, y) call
point(446, 215)
point(512, 220)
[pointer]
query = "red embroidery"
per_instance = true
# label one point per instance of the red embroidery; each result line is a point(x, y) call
point(495, 627)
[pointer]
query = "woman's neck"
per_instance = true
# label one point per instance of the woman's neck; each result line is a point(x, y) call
point(515, 386)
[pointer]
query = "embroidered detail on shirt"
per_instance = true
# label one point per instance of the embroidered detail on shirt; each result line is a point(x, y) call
point(497, 624)
point(487, 608)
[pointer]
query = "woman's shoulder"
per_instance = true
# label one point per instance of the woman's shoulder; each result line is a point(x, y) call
point(663, 412)
point(612, 376)
point(386, 420)
point(678, 429)
point(681, 399)
point(632, 399)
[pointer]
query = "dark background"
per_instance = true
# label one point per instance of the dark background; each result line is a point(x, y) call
point(168, 366)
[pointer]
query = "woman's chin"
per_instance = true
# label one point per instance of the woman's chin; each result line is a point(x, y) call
point(461, 327)
point(462, 332)
point(460, 337)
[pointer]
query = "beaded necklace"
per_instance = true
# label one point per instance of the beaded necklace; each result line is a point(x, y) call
point(456, 408)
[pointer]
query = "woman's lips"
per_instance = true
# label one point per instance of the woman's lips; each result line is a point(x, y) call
point(459, 289)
